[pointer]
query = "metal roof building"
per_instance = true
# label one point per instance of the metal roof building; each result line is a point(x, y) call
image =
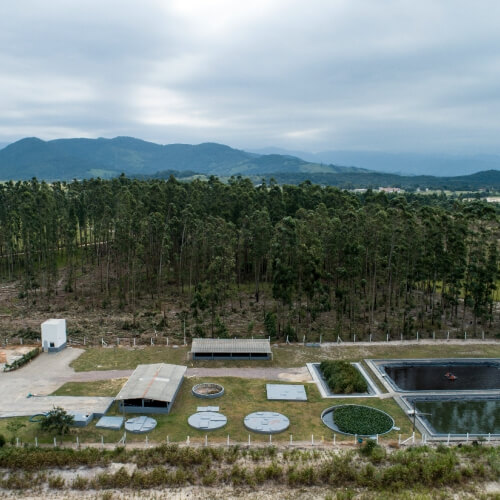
point(203, 349)
point(151, 388)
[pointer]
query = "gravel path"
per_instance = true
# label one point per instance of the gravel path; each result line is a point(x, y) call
point(298, 374)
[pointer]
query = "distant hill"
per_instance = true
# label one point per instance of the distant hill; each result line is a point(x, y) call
point(489, 179)
point(64, 159)
point(399, 163)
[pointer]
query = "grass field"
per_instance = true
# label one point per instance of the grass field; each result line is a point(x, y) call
point(242, 396)
point(115, 358)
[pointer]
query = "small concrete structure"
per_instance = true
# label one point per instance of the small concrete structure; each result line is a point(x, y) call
point(111, 423)
point(286, 392)
point(204, 349)
point(151, 388)
point(54, 335)
point(207, 420)
point(81, 419)
point(207, 408)
point(266, 422)
point(140, 425)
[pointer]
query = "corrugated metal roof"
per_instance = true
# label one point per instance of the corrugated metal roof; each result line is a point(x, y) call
point(231, 345)
point(158, 382)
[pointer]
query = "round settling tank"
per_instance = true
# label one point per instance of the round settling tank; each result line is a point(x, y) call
point(266, 422)
point(140, 425)
point(207, 420)
point(208, 390)
point(357, 420)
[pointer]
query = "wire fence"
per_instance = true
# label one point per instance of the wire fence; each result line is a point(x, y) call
point(334, 441)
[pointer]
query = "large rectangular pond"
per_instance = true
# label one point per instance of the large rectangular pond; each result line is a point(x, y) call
point(442, 375)
point(460, 416)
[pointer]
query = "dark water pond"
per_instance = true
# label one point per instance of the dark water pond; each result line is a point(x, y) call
point(432, 377)
point(460, 417)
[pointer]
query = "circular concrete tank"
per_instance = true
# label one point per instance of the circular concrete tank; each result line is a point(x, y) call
point(140, 425)
point(207, 420)
point(266, 422)
point(208, 390)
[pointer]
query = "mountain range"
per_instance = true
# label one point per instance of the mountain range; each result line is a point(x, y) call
point(64, 159)
point(67, 159)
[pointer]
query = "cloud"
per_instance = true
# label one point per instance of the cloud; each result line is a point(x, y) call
point(326, 74)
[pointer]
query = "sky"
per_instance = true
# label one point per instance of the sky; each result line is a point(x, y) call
point(362, 75)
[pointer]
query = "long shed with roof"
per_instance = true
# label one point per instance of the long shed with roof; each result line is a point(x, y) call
point(151, 388)
point(203, 349)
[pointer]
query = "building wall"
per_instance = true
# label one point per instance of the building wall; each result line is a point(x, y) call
point(229, 356)
point(54, 332)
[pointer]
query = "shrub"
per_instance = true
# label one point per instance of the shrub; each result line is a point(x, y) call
point(342, 377)
point(22, 360)
point(57, 420)
point(2, 441)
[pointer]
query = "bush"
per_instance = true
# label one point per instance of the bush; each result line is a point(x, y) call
point(342, 377)
point(23, 360)
point(2, 441)
point(57, 420)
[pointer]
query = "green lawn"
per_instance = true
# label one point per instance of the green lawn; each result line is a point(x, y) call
point(242, 396)
point(284, 356)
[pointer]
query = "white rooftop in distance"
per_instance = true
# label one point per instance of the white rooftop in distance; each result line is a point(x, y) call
point(235, 346)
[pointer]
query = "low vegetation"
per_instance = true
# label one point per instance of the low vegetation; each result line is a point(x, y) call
point(26, 358)
point(371, 468)
point(361, 420)
point(343, 378)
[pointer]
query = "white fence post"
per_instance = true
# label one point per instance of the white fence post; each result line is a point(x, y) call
point(249, 440)
point(417, 335)
point(334, 439)
point(291, 439)
point(270, 438)
point(55, 442)
point(448, 440)
point(187, 441)
point(228, 439)
point(312, 439)
point(36, 442)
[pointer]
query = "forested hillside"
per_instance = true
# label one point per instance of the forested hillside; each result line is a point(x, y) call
point(235, 259)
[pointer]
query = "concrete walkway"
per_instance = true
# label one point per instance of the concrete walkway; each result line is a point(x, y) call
point(41, 377)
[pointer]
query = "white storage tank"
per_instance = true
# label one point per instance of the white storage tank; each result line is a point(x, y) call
point(53, 335)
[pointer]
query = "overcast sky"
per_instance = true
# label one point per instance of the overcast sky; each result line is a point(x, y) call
point(392, 75)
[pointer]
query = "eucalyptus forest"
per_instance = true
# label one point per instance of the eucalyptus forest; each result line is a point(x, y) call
point(235, 259)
